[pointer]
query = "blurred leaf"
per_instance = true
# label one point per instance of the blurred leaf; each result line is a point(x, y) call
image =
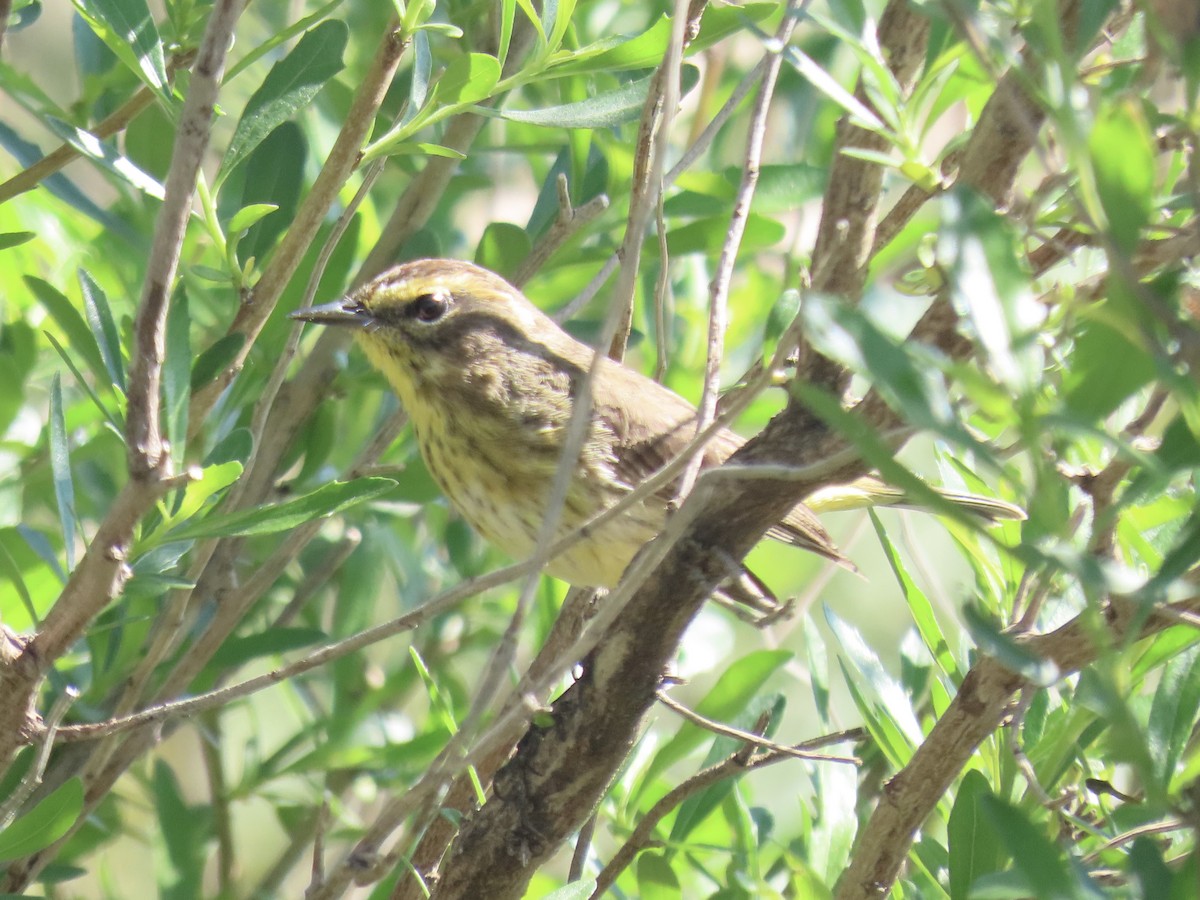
point(656, 880)
point(15, 238)
point(986, 279)
point(183, 829)
point(1033, 855)
point(1094, 387)
point(1008, 651)
point(289, 87)
point(1173, 711)
point(1123, 159)
point(974, 850)
point(574, 890)
point(603, 110)
point(241, 649)
point(60, 463)
point(889, 712)
point(503, 248)
point(707, 235)
point(324, 501)
point(49, 820)
point(176, 377)
point(919, 606)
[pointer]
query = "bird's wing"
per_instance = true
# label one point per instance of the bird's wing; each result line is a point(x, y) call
point(649, 435)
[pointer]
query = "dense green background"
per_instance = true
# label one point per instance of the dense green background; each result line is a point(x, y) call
point(1078, 294)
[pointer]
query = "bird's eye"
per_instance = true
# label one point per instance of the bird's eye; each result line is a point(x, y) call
point(429, 307)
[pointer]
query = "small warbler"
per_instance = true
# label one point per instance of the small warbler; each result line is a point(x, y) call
point(489, 383)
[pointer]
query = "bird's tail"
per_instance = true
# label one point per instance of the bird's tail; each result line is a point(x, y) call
point(870, 491)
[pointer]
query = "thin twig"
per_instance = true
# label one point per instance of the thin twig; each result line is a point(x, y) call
point(799, 751)
point(718, 297)
point(570, 221)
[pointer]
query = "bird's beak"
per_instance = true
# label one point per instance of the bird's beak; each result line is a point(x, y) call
point(341, 312)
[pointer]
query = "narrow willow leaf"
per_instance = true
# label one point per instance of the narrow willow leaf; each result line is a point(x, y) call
point(615, 107)
point(109, 159)
point(60, 465)
point(15, 238)
point(104, 329)
point(324, 501)
point(177, 377)
point(67, 317)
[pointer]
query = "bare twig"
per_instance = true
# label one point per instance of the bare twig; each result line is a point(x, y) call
point(800, 751)
point(569, 222)
point(649, 162)
point(718, 294)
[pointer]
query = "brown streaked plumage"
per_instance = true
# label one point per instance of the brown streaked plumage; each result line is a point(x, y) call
point(488, 381)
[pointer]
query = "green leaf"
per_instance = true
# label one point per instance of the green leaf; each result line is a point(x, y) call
point(248, 215)
point(646, 49)
point(104, 329)
point(706, 235)
point(60, 465)
point(215, 477)
point(1093, 386)
point(469, 78)
point(656, 880)
point(67, 317)
point(183, 829)
point(288, 88)
point(108, 158)
point(974, 850)
point(1123, 161)
point(45, 823)
point(986, 279)
point(237, 651)
point(324, 501)
point(575, 890)
point(212, 362)
point(880, 697)
point(1173, 711)
point(919, 605)
point(604, 110)
point(15, 238)
point(1033, 854)
point(503, 248)
point(177, 376)
point(128, 30)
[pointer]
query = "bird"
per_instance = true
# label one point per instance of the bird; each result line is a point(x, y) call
point(489, 383)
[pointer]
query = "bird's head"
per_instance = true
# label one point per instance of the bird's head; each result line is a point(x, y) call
point(426, 324)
